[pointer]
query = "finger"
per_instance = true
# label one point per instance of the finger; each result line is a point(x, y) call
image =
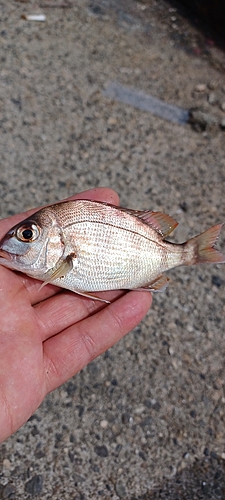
point(98, 194)
point(33, 286)
point(67, 353)
point(66, 309)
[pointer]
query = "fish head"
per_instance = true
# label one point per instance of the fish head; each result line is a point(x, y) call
point(33, 246)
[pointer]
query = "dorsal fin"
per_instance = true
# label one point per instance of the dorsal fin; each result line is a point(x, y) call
point(162, 223)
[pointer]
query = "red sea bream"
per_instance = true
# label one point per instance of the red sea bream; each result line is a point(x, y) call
point(88, 246)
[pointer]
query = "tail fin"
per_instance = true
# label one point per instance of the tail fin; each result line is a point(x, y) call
point(204, 246)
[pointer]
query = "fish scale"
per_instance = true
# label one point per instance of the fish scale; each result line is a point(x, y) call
point(103, 258)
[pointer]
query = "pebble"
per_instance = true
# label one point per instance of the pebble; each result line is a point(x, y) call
point(121, 490)
point(112, 120)
point(78, 478)
point(104, 424)
point(212, 99)
point(139, 410)
point(9, 491)
point(201, 87)
point(125, 418)
point(34, 485)
point(174, 364)
point(211, 86)
point(222, 106)
point(201, 120)
point(6, 464)
point(101, 451)
point(216, 280)
point(222, 123)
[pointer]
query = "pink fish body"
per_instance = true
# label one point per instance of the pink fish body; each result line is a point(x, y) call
point(87, 246)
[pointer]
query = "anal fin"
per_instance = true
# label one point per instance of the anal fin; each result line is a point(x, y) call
point(159, 285)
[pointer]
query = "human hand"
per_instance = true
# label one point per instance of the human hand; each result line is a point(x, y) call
point(48, 335)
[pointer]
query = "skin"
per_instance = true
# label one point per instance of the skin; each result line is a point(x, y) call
point(48, 335)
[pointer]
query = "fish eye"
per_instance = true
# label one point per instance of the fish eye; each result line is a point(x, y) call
point(27, 233)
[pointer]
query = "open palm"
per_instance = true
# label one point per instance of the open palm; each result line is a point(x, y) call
point(48, 335)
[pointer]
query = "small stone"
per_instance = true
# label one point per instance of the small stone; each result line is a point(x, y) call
point(101, 451)
point(148, 403)
point(142, 455)
point(223, 456)
point(174, 364)
point(184, 206)
point(6, 464)
point(222, 123)
point(211, 85)
point(112, 120)
point(126, 71)
point(218, 384)
point(125, 418)
point(222, 106)
point(34, 485)
point(212, 99)
point(78, 478)
point(104, 424)
point(70, 388)
point(155, 405)
point(121, 490)
point(216, 280)
point(9, 491)
point(201, 87)
point(223, 89)
point(201, 120)
point(114, 382)
point(146, 422)
point(94, 369)
point(139, 410)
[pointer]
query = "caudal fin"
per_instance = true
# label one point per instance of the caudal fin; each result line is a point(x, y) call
point(204, 246)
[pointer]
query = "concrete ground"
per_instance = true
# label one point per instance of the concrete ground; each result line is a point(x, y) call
point(146, 420)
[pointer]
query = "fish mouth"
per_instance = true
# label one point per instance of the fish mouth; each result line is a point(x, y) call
point(5, 255)
point(7, 260)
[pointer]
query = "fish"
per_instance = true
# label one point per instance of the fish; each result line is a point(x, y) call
point(89, 246)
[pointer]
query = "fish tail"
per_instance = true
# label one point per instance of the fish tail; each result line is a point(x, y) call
point(203, 246)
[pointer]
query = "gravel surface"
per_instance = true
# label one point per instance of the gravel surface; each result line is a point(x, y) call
point(146, 419)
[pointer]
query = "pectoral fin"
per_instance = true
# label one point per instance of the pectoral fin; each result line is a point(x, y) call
point(59, 271)
point(159, 285)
